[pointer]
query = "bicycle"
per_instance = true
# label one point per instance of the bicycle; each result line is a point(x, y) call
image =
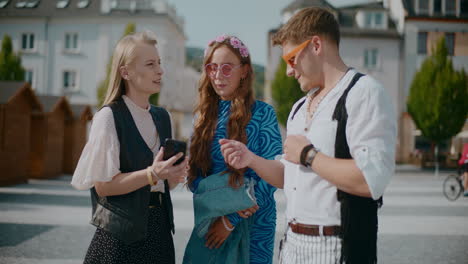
point(453, 186)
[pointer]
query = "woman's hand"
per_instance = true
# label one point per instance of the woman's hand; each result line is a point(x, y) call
point(165, 169)
point(218, 233)
point(235, 153)
point(248, 212)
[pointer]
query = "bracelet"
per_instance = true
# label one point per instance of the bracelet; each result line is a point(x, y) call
point(155, 175)
point(304, 152)
point(149, 175)
point(225, 225)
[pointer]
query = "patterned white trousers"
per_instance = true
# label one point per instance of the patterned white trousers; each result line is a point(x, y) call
point(305, 249)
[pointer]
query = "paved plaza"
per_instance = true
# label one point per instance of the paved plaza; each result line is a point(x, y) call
point(46, 222)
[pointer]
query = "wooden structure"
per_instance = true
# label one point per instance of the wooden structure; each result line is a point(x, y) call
point(17, 104)
point(48, 137)
point(75, 136)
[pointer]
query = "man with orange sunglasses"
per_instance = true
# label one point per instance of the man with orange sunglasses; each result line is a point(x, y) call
point(339, 155)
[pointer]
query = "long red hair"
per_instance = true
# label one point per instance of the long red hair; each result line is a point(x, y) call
point(206, 113)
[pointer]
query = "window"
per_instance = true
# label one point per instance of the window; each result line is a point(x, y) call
point(27, 41)
point(422, 43)
point(450, 7)
point(82, 4)
point(437, 7)
point(371, 58)
point(450, 43)
point(374, 20)
point(422, 7)
point(32, 3)
point(29, 77)
point(4, 3)
point(21, 4)
point(464, 7)
point(62, 3)
point(71, 42)
point(70, 81)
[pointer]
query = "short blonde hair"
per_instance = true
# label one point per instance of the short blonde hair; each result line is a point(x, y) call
point(307, 23)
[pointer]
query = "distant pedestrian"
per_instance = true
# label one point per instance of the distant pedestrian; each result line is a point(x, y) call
point(122, 162)
point(463, 163)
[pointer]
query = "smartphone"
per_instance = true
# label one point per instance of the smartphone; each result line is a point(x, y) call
point(172, 147)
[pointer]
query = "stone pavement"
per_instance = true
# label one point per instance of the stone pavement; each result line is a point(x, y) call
point(46, 222)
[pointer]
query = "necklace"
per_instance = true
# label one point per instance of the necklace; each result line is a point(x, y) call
point(310, 112)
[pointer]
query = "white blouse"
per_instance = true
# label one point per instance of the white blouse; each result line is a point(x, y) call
point(371, 134)
point(99, 161)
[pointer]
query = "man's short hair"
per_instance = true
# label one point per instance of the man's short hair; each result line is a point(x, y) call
point(306, 23)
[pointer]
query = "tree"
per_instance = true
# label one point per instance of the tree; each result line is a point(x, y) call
point(102, 87)
point(437, 100)
point(10, 63)
point(285, 91)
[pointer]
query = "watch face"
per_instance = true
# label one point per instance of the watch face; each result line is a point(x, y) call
point(310, 156)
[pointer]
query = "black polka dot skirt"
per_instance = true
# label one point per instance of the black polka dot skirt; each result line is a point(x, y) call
point(158, 247)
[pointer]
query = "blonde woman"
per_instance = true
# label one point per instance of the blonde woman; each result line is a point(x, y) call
point(122, 162)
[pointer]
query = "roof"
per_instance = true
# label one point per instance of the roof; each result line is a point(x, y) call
point(11, 89)
point(347, 18)
point(369, 33)
point(365, 6)
point(299, 4)
point(409, 6)
point(51, 103)
point(82, 112)
point(50, 9)
point(47, 9)
point(348, 24)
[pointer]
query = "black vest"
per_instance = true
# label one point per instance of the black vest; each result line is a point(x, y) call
point(358, 214)
point(126, 216)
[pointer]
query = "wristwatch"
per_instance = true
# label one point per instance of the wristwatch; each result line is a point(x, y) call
point(308, 154)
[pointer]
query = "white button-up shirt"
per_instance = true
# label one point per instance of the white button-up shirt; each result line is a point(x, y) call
point(371, 134)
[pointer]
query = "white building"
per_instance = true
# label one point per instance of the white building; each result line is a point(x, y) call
point(65, 45)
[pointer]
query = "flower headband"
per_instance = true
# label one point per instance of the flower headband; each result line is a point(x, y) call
point(233, 41)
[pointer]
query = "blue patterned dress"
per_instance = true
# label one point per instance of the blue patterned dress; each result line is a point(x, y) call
point(264, 139)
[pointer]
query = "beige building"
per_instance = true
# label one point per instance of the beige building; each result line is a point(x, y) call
point(422, 23)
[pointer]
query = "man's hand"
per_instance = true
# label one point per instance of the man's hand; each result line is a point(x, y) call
point(235, 153)
point(217, 233)
point(293, 146)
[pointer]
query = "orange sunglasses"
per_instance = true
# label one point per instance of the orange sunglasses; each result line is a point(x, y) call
point(291, 56)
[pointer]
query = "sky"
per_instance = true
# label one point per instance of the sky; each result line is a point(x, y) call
point(250, 20)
